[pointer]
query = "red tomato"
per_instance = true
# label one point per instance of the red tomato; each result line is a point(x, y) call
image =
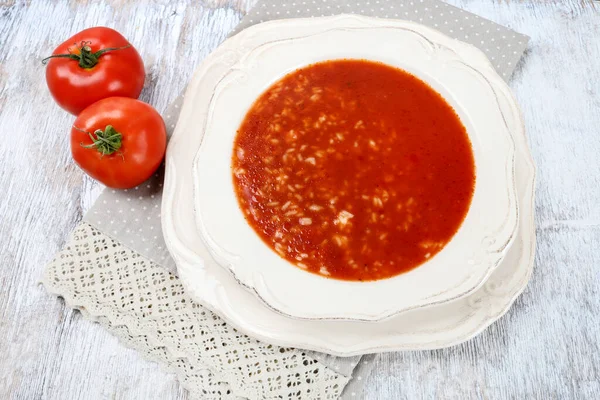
point(94, 64)
point(119, 141)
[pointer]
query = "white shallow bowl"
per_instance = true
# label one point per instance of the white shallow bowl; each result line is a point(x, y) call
point(423, 329)
point(199, 186)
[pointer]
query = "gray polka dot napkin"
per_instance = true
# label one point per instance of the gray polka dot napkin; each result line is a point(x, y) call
point(132, 217)
point(503, 46)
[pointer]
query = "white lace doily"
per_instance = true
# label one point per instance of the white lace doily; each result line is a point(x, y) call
point(145, 306)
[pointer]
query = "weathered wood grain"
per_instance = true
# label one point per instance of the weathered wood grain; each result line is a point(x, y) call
point(546, 347)
point(47, 350)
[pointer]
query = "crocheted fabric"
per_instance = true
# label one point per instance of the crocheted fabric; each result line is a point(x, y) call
point(146, 307)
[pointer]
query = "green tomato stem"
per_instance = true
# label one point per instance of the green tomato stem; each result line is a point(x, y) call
point(86, 58)
point(106, 141)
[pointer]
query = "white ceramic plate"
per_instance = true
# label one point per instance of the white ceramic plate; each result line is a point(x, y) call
point(229, 81)
point(428, 328)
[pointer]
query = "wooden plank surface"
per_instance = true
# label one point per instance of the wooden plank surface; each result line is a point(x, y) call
point(546, 347)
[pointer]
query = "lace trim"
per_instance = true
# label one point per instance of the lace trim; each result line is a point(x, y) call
point(146, 307)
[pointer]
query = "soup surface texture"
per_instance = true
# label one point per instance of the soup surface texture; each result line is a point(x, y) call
point(353, 170)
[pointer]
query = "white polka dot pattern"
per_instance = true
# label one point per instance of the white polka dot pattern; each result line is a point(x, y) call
point(503, 46)
point(354, 388)
point(132, 216)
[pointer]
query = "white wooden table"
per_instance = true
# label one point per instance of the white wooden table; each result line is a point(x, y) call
point(546, 347)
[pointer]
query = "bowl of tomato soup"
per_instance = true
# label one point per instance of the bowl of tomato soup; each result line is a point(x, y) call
point(338, 175)
point(353, 170)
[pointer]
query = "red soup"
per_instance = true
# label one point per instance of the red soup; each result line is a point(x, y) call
point(353, 170)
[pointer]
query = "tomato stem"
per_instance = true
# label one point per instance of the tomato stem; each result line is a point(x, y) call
point(85, 56)
point(106, 141)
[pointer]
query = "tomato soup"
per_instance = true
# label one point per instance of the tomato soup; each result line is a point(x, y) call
point(353, 170)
